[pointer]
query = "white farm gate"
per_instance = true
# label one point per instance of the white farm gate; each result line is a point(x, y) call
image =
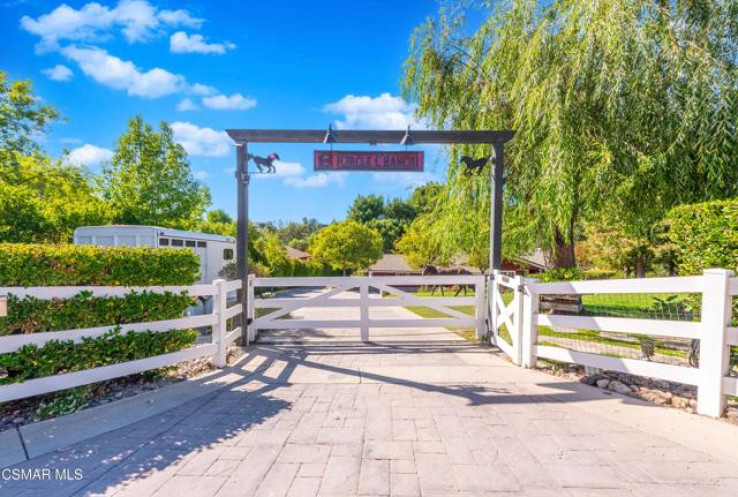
point(363, 293)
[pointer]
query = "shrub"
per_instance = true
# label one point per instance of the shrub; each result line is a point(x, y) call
point(704, 235)
point(58, 357)
point(32, 315)
point(58, 265)
point(561, 274)
point(599, 274)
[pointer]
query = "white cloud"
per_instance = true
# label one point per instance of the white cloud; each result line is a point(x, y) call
point(138, 20)
point(88, 155)
point(234, 102)
point(382, 112)
point(124, 75)
point(181, 42)
point(199, 89)
point(180, 17)
point(205, 142)
point(200, 175)
point(58, 73)
point(187, 104)
point(316, 180)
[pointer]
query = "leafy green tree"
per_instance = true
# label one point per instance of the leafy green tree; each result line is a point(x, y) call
point(149, 180)
point(274, 255)
point(419, 245)
point(347, 245)
point(297, 234)
point(425, 198)
point(400, 210)
point(623, 106)
point(389, 229)
point(22, 118)
point(366, 208)
point(218, 216)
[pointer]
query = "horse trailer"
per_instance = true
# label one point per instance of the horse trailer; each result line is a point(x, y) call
point(215, 251)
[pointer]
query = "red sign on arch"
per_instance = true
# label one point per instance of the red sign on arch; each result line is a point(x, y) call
point(335, 160)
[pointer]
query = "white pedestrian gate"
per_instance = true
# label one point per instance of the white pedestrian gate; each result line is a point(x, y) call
point(363, 293)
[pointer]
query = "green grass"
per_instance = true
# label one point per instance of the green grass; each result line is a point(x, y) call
point(592, 336)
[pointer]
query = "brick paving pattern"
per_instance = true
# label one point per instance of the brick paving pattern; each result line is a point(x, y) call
point(393, 420)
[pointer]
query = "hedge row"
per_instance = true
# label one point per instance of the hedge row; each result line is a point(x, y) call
point(58, 357)
point(32, 315)
point(704, 235)
point(59, 265)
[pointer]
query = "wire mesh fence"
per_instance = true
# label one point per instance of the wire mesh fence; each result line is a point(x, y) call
point(656, 306)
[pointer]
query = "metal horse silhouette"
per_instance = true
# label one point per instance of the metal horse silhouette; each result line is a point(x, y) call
point(474, 165)
point(434, 271)
point(265, 164)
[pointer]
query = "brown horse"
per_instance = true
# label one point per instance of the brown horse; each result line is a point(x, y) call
point(454, 271)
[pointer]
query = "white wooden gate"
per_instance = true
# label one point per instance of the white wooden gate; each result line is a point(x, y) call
point(364, 293)
point(505, 305)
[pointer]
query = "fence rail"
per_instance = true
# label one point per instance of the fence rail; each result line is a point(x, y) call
point(217, 348)
point(716, 288)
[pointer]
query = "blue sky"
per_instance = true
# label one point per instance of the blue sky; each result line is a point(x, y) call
point(208, 66)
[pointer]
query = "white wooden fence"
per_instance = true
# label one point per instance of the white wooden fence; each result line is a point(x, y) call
point(521, 318)
point(216, 349)
point(338, 293)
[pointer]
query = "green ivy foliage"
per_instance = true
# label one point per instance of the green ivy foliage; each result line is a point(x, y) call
point(704, 235)
point(57, 265)
point(32, 315)
point(59, 357)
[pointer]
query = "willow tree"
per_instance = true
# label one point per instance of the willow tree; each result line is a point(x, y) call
point(621, 107)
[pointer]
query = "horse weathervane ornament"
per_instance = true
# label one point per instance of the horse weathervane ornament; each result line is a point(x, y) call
point(474, 165)
point(265, 164)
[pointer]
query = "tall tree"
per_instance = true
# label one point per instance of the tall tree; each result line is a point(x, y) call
point(419, 245)
point(149, 180)
point(347, 245)
point(22, 119)
point(41, 200)
point(620, 106)
point(366, 208)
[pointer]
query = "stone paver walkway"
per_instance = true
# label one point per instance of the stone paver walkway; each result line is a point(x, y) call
point(400, 420)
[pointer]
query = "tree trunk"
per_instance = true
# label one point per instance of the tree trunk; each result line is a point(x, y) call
point(563, 251)
point(344, 269)
point(640, 266)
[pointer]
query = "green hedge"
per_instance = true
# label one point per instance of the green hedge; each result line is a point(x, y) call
point(59, 265)
point(704, 235)
point(32, 315)
point(69, 265)
point(58, 357)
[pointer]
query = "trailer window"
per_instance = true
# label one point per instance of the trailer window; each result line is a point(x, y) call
point(190, 243)
point(177, 243)
point(202, 244)
point(164, 242)
point(227, 254)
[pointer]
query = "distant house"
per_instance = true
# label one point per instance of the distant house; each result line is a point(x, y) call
point(392, 265)
point(526, 264)
point(293, 253)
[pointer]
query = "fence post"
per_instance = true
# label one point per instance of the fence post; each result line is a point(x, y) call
point(249, 314)
point(714, 350)
point(219, 327)
point(479, 306)
point(529, 323)
point(517, 318)
point(493, 290)
point(364, 311)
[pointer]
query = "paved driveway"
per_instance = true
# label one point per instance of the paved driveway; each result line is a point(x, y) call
point(405, 420)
